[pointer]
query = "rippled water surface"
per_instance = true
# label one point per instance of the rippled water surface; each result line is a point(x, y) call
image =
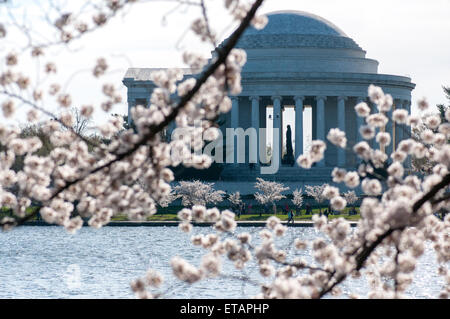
point(46, 262)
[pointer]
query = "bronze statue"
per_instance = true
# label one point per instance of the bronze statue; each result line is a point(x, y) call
point(289, 157)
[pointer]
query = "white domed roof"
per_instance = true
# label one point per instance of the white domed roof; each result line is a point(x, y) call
point(295, 29)
point(297, 22)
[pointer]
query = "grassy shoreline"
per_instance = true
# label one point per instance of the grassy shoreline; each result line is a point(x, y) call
point(170, 215)
point(241, 223)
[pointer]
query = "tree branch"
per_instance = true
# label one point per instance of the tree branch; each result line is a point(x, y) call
point(367, 251)
point(222, 54)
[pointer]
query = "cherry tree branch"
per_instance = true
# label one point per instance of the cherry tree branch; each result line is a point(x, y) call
point(49, 114)
point(153, 130)
point(368, 249)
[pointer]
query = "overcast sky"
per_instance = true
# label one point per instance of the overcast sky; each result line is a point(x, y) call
point(407, 37)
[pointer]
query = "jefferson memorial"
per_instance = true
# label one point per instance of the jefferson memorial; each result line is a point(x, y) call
point(303, 70)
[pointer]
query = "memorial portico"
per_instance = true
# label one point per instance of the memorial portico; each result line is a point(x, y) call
point(302, 62)
point(344, 118)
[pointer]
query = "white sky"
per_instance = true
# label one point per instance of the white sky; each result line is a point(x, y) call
point(407, 37)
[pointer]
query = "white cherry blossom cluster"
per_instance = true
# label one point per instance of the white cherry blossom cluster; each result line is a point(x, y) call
point(198, 193)
point(351, 197)
point(239, 10)
point(297, 198)
point(396, 224)
point(82, 180)
point(235, 200)
point(269, 192)
point(316, 192)
point(316, 153)
point(105, 179)
point(337, 137)
point(216, 246)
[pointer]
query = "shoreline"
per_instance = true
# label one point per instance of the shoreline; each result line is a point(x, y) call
point(175, 224)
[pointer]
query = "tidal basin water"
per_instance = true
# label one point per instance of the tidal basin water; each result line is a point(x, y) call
point(47, 262)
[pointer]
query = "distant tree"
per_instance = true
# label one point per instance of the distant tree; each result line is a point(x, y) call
point(80, 127)
point(316, 192)
point(270, 192)
point(198, 193)
point(167, 200)
point(80, 122)
point(443, 108)
point(34, 130)
point(125, 124)
point(236, 201)
point(422, 163)
point(35, 134)
point(351, 198)
point(297, 199)
point(163, 201)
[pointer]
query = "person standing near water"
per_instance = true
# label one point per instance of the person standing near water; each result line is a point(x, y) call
point(290, 217)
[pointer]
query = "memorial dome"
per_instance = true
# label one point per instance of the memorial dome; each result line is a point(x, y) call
point(295, 29)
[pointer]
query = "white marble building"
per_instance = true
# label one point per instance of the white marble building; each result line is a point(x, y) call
point(301, 61)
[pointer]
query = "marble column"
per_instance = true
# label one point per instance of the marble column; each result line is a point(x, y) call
point(341, 159)
point(407, 106)
point(170, 128)
point(277, 129)
point(359, 120)
point(373, 142)
point(282, 136)
point(255, 124)
point(234, 112)
point(131, 104)
point(407, 132)
point(235, 124)
point(298, 125)
point(388, 129)
point(262, 137)
point(398, 127)
point(320, 122)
